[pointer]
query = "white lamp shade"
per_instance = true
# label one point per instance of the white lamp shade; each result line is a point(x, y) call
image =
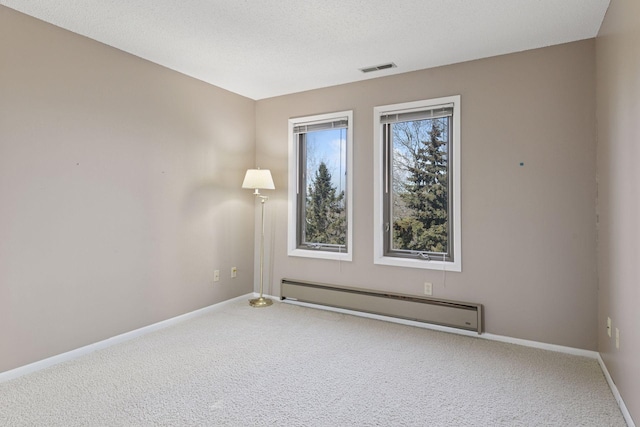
point(258, 179)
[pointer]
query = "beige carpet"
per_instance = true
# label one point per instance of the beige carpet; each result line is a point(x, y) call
point(295, 366)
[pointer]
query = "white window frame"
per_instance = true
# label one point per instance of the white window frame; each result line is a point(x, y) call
point(378, 185)
point(293, 250)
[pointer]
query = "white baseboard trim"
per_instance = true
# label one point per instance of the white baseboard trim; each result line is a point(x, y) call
point(74, 354)
point(616, 393)
point(542, 345)
point(492, 337)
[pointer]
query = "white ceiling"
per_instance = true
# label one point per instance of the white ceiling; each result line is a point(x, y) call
point(266, 48)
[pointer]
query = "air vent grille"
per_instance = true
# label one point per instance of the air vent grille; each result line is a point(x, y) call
point(378, 67)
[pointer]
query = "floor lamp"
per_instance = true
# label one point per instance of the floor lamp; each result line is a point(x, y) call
point(260, 179)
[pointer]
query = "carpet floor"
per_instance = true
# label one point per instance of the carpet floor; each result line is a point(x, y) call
point(289, 365)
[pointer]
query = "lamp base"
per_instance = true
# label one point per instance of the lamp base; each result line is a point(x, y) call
point(260, 302)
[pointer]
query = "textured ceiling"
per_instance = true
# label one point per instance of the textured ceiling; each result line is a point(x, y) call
point(265, 48)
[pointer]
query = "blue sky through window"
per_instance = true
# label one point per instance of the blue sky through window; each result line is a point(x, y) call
point(328, 146)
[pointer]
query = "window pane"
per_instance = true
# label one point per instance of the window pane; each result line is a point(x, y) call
point(419, 196)
point(417, 184)
point(324, 163)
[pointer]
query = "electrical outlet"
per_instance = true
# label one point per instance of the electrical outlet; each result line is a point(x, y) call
point(234, 272)
point(617, 338)
point(609, 326)
point(216, 276)
point(428, 288)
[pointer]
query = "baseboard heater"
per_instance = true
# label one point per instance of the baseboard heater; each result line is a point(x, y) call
point(437, 311)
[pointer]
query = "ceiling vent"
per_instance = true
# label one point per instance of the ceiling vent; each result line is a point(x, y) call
point(378, 67)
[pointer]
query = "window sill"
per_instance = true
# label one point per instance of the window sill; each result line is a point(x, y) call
point(306, 253)
point(419, 263)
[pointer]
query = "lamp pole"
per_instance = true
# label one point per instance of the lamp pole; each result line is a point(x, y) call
point(261, 301)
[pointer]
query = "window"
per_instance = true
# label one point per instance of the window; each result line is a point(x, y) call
point(320, 186)
point(417, 184)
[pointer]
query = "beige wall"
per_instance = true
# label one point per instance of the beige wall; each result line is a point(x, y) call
point(528, 232)
point(119, 191)
point(618, 113)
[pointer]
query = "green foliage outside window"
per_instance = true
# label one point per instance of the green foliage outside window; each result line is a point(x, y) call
point(420, 200)
point(325, 212)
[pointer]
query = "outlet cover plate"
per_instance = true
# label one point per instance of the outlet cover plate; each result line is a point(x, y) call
point(428, 288)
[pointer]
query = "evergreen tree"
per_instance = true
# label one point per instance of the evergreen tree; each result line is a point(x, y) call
point(325, 213)
point(425, 195)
